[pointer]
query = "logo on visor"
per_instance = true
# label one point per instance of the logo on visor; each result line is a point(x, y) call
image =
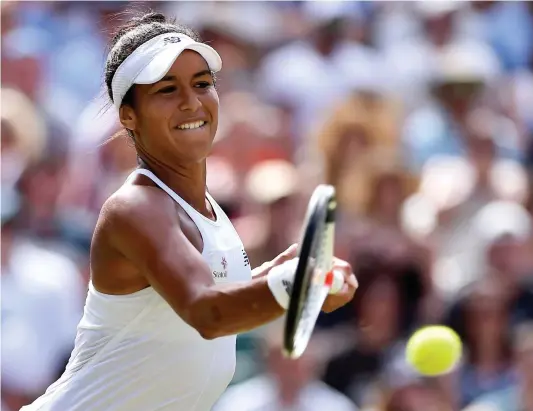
point(173, 39)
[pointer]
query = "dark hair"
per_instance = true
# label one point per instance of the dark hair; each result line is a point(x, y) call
point(138, 30)
point(371, 267)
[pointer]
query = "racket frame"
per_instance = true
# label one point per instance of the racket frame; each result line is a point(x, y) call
point(320, 219)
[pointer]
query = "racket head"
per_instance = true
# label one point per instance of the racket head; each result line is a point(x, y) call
point(315, 254)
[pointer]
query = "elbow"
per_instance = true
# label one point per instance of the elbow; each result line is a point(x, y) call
point(207, 329)
point(207, 333)
point(205, 318)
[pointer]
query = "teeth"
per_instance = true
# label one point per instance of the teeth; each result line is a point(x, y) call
point(189, 126)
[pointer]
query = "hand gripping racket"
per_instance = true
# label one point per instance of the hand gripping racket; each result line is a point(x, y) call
point(313, 278)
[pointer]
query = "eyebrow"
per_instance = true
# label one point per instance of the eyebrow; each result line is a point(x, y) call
point(196, 75)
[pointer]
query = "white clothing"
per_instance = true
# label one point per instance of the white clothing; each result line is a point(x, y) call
point(134, 353)
point(42, 302)
point(260, 394)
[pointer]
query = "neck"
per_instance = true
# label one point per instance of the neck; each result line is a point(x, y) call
point(188, 181)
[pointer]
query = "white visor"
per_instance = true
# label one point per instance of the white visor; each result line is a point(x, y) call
point(152, 60)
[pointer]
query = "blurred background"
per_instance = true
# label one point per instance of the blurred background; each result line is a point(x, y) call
point(420, 113)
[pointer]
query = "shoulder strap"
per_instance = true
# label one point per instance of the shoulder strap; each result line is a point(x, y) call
point(198, 218)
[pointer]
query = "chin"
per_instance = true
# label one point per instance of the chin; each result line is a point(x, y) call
point(197, 153)
point(201, 151)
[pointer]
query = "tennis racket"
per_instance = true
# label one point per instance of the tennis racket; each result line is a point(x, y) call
point(313, 278)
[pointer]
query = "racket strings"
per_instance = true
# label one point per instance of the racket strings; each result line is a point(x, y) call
point(311, 288)
point(315, 291)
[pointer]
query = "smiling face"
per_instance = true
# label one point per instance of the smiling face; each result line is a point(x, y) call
point(175, 119)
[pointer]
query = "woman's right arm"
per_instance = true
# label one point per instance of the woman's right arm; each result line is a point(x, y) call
point(145, 228)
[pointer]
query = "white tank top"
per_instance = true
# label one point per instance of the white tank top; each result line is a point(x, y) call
point(134, 353)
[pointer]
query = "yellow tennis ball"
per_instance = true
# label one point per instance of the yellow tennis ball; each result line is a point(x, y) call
point(434, 350)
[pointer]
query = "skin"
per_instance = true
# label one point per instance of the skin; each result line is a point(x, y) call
point(144, 239)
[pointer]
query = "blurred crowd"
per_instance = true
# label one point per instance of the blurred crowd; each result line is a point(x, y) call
point(421, 115)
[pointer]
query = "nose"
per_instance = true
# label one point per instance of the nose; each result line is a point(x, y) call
point(189, 101)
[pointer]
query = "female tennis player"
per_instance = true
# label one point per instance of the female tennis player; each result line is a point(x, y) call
point(171, 285)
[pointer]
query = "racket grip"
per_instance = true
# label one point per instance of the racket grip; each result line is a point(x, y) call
point(335, 281)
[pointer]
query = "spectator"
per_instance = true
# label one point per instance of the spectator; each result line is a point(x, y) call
point(402, 389)
point(504, 230)
point(366, 120)
point(464, 71)
point(323, 53)
point(42, 302)
point(273, 187)
point(411, 36)
point(419, 113)
point(519, 396)
point(24, 136)
point(285, 385)
point(382, 314)
point(488, 362)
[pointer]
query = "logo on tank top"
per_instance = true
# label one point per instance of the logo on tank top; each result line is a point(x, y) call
point(224, 272)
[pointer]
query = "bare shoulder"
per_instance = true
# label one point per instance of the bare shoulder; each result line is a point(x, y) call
point(136, 217)
point(139, 242)
point(134, 204)
point(129, 230)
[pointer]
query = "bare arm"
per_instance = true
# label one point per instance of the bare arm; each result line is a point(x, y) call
point(155, 242)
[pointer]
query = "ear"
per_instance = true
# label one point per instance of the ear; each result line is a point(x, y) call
point(127, 117)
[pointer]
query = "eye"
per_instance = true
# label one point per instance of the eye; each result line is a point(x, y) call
point(203, 84)
point(167, 90)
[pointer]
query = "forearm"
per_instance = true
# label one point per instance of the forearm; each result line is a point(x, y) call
point(230, 309)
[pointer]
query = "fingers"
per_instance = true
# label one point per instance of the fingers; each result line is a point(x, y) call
point(292, 251)
point(288, 254)
point(346, 269)
point(343, 265)
point(351, 280)
point(347, 290)
point(344, 295)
